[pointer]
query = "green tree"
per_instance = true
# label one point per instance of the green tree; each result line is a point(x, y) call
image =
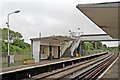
point(88, 46)
point(119, 47)
point(18, 45)
point(94, 45)
point(99, 45)
point(21, 44)
point(4, 47)
point(13, 34)
point(104, 47)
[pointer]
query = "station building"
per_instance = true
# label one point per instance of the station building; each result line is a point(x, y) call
point(48, 47)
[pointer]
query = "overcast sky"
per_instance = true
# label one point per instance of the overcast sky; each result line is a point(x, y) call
point(50, 17)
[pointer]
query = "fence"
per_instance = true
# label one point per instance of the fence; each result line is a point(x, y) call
point(92, 52)
point(18, 58)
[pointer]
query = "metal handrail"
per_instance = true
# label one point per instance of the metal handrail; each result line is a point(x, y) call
point(75, 45)
point(65, 47)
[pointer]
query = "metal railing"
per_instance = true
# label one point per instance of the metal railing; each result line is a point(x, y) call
point(65, 47)
point(75, 45)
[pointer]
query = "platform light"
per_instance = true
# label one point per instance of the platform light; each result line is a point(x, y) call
point(9, 35)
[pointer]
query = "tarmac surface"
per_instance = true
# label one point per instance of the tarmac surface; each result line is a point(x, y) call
point(114, 72)
point(29, 65)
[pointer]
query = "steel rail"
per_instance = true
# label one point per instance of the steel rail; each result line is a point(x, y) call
point(73, 70)
point(82, 68)
point(94, 72)
point(47, 75)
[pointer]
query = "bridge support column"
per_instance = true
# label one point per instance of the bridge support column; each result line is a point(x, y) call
point(81, 49)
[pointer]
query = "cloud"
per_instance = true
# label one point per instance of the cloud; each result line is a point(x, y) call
point(46, 16)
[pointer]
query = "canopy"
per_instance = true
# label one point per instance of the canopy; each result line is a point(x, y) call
point(105, 15)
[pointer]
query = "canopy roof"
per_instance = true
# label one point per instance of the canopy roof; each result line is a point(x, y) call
point(53, 39)
point(105, 15)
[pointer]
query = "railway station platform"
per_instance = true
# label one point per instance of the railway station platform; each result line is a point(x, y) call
point(42, 63)
point(113, 72)
point(21, 72)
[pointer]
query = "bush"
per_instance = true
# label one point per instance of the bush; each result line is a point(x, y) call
point(28, 61)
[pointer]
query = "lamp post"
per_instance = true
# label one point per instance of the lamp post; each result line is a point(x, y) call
point(72, 34)
point(80, 33)
point(9, 35)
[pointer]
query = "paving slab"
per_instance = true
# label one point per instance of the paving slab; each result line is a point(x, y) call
point(114, 72)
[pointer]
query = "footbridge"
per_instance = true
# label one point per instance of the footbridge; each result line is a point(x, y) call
point(78, 41)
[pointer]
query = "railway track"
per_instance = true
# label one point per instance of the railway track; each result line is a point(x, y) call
point(96, 70)
point(89, 69)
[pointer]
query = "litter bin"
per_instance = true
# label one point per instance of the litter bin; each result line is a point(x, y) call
point(77, 55)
